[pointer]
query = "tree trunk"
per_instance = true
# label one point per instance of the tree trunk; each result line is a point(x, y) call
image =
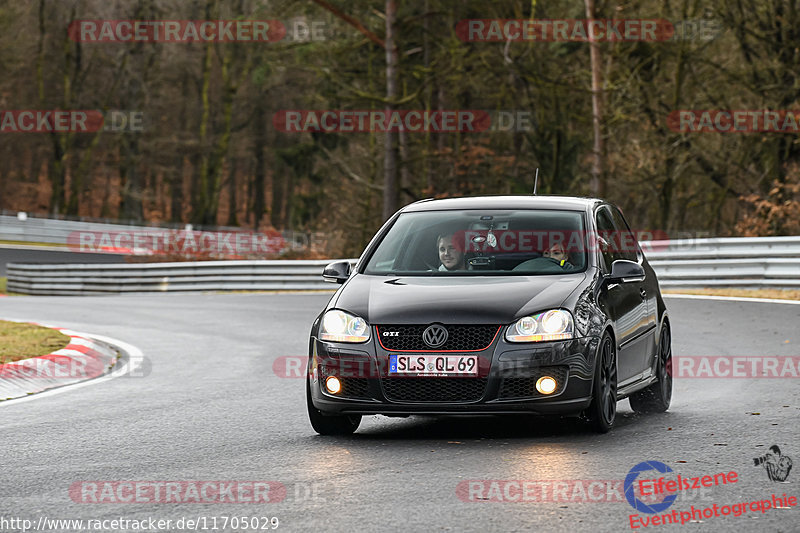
point(426, 59)
point(232, 219)
point(176, 176)
point(58, 175)
point(200, 200)
point(277, 211)
point(598, 180)
point(260, 173)
point(406, 194)
point(56, 168)
point(176, 189)
point(390, 154)
point(131, 178)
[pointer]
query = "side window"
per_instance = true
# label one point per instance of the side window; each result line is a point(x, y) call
point(605, 229)
point(626, 244)
point(389, 256)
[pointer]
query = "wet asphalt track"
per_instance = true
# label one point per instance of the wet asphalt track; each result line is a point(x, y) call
point(211, 408)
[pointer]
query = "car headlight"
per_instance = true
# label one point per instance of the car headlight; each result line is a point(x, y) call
point(339, 326)
point(553, 325)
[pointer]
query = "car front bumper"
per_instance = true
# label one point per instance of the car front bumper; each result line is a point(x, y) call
point(505, 385)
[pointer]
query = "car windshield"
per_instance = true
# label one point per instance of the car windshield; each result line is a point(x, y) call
point(482, 242)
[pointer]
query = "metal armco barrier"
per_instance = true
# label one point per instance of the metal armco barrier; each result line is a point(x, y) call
point(54, 231)
point(772, 262)
point(95, 279)
point(68, 233)
point(743, 262)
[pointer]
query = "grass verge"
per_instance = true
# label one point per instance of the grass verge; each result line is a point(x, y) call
point(3, 282)
point(21, 341)
point(780, 294)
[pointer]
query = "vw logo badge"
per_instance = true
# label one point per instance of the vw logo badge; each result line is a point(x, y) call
point(434, 336)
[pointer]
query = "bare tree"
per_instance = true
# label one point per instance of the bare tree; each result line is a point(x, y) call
point(390, 150)
point(598, 185)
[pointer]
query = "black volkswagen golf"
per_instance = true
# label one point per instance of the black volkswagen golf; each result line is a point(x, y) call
point(506, 304)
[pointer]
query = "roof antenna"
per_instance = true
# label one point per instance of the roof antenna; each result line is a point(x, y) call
point(536, 181)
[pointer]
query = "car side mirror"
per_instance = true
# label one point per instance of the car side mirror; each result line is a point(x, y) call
point(337, 272)
point(626, 271)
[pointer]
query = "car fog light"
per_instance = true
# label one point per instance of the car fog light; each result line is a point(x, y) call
point(334, 385)
point(546, 385)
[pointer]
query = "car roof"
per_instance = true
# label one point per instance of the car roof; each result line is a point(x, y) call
point(504, 202)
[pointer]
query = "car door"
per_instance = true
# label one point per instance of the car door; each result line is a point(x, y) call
point(646, 331)
point(626, 303)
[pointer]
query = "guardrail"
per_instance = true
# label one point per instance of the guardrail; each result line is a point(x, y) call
point(729, 262)
point(85, 279)
point(218, 242)
point(744, 262)
point(26, 228)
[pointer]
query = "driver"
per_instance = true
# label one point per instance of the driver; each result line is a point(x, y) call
point(558, 254)
point(451, 257)
point(554, 260)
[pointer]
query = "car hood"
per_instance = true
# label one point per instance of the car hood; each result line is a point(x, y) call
point(456, 300)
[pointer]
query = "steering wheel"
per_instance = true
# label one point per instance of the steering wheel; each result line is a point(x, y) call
point(430, 265)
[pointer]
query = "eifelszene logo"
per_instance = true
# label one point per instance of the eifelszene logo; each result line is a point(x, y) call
point(777, 466)
point(630, 483)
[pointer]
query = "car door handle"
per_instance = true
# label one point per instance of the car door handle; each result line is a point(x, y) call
point(643, 292)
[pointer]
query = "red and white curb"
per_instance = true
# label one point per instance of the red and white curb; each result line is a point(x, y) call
point(82, 359)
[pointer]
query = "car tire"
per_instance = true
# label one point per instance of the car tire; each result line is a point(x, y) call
point(603, 409)
point(657, 397)
point(330, 424)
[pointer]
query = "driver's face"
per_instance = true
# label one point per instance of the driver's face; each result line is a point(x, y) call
point(451, 257)
point(556, 252)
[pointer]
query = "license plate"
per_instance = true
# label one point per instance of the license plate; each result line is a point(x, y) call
point(433, 365)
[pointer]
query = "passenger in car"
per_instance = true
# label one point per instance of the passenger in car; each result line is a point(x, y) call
point(450, 255)
point(558, 254)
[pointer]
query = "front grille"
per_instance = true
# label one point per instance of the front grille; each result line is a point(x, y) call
point(354, 387)
point(351, 387)
point(434, 389)
point(459, 338)
point(526, 387)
